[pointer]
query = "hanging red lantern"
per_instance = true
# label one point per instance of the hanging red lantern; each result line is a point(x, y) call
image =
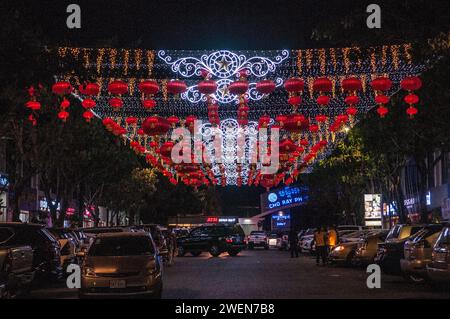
point(287, 146)
point(88, 115)
point(91, 89)
point(295, 100)
point(265, 86)
point(351, 111)
point(321, 118)
point(63, 115)
point(382, 99)
point(382, 111)
point(176, 87)
point(352, 100)
point(166, 149)
point(323, 100)
point(116, 103)
point(64, 104)
point(351, 84)
point(296, 123)
point(381, 84)
point(322, 85)
point(281, 118)
point(264, 121)
point(238, 87)
point(88, 103)
point(411, 111)
point(62, 88)
point(294, 85)
point(207, 87)
point(33, 105)
point(155, 125)
point(173, 120)
point(117, 87)
point(149, 104)
point(148, 87)
point(411, 83)
point(32, 119)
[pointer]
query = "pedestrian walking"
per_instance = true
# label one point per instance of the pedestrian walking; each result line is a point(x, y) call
point(293, 243)
point(320, 239)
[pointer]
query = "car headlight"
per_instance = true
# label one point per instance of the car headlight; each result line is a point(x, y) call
point(89, 272)
point(339, 248)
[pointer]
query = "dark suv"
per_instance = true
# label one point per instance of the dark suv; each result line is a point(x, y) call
point(46, 256)
point(214, 239)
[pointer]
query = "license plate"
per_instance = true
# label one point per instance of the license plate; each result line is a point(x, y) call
point(441, 258)
point(117, 284)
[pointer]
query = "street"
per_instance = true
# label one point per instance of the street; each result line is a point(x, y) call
point(260, 274)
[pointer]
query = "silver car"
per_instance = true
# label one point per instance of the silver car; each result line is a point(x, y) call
point(439, 268)
point(122, 265)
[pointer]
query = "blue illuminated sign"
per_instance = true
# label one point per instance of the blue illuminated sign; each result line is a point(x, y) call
point(284, 197)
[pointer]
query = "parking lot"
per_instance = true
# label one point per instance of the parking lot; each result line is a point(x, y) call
point(269, 274)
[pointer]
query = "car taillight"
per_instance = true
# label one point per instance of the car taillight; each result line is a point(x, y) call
point(229, 240)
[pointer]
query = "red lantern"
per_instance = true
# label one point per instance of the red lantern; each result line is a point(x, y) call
point(382, 111)
point(351, 111)
point(117, 87)
point(321, 118)
point(281, 119)
point(295, 100)
point(264, 121)
point(63, 115)
point(238, 87)
point(351, 84)
point(149, 104)
point(148, 87)
point(411, 111)
point(173, 120)
point(88, 103)
point(323, 100)
point(62, 88)
point(293, 85)
point(33, 105)
point(265, 86)
point(176, 87)
point(411, 99)
point(155, 125)
point(64, 104)
point(352, 100)
point(411, 83)
point(322, 85)
point(207, 87)
point(91, 89)
point(131, 120)
point(296, 123)
point(382, 99)
point(287, 146)
point(381, 84)
point(116, 103)
point(88, 115)
point(166, 148)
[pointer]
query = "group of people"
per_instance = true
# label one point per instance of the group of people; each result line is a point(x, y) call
point(325, 238)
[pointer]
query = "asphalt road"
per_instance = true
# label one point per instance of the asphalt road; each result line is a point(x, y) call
point(269, 274)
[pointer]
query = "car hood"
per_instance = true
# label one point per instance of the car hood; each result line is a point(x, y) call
point(114, 264)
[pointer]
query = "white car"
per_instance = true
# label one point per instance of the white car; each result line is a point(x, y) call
point(258, 239)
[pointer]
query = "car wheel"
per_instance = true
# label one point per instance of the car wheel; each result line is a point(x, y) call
point(233, 253)
point(196, 253)
point(181, 251)
point(214, 251)
point(349, 259)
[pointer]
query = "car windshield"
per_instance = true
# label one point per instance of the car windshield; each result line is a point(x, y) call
point(122, 246)
point(394, 232)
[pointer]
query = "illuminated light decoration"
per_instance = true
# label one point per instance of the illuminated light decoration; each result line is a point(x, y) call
point(382, 111)
point(281, 118)
point(148, 87)
point(238, 87)
point(89, 89)
point(264, 121)
point(166, 149)
point(294, 87)
point(296, 123)
point(207, 87)
point(173, 120)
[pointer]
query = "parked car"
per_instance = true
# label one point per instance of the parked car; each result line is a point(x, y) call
point(46, 248)
point(283, 241)
point(366, 249)
point(417, 253)
point(123, 264)
point(306, 241)
point(350, 228)
point(345, 251)
point(16, 267)
point(258, 239)
point(273, 240)
point(214, 239)
point(391, 251)
point(439, 268)
point(157, 233)
point(68, 246)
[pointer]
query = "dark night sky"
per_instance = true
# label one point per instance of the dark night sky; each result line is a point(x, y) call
point(230, 24)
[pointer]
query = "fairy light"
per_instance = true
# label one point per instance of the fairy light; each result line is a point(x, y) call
point(164, 89)
point(300, 62)
point(394, 52)
point(322, 61)
point(112, 58)
point(373, 61)
point(345, 52)
point(132, 83)
point(333, 58)
point(309, 58)
point(138, 58)
point(62, 51)
point(384, 55)
point(407, 50)
point(86, 57)
point(150, 60)
point(101, 53)
point(126, 58)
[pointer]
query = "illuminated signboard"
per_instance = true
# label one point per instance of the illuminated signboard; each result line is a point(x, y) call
point(281, 221)
point(221, 219)
point(285, 197)
point(372, 209)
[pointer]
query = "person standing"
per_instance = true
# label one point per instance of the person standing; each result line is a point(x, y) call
point(332, 238)
point(320, 242)
point(293, 243)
